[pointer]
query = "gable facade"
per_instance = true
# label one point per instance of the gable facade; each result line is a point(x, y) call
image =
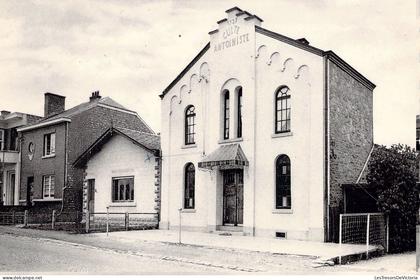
point(268, 94)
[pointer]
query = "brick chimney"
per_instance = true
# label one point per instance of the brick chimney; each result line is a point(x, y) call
point(4, 113)
point(53, 104)
point(95, 95)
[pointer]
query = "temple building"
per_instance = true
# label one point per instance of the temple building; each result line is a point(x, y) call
point(259, 133)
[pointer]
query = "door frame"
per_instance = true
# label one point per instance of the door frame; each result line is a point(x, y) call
point(237, 185)
point(9, 189)
point(91, 194)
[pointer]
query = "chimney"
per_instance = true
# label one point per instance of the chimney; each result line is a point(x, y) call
point(4, 113)
point(95, 96)
point(53, 104)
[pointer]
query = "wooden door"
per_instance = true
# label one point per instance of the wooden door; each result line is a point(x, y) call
point(233, 197)
point(91, 195)
point(10, 188)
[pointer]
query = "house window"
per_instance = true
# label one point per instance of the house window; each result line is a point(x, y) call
point(226, 115)
point(190, 125)
point(189, 186)
point(283, 194)
point(49, 144)
point(48, 186)
point(122, 189)
point(282, 117)
point(239, 134)
point(1, 139)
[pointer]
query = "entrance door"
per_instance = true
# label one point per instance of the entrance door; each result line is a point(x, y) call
point(29, 190)
point(10, 188)
point(233, 197)
point(91, 195)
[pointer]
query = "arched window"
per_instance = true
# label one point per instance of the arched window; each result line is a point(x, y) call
point(189, 201)
point(226, 115)
point(282, 110)
point(239, 134)
point(190, 125)
point(283, 194)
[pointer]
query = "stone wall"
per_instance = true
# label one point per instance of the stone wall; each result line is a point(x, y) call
point(351, 134)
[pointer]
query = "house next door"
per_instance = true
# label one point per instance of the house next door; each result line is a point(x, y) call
point(233, 197)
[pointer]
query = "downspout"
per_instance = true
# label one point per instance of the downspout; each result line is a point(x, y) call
point(327, 236)
point(65, 165)
point(160, 184)
point(168, 211)
point(255, 135)
point(20, 139)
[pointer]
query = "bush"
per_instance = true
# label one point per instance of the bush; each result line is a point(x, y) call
point(392, 173)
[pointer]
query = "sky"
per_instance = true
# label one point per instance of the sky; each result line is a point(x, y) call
point(131, 50)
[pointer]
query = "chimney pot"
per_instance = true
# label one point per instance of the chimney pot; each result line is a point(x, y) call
point(95, 95)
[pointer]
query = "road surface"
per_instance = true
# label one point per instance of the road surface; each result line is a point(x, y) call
point(52, 252)
point(24, 254)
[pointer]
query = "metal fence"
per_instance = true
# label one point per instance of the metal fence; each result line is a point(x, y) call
point(364, 228)
point(117, 221)
point(11, 218)
point(81, 222)
point(48, 220)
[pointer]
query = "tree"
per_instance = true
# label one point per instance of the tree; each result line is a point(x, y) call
point(392, 174)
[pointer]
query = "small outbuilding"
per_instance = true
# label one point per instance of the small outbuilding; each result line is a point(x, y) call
point(122, 172)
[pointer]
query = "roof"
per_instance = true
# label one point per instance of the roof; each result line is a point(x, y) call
point(230, 155)
point(299, 43)
point(67, 114)
point(188, 67)
point(147, 141)
point(86, 106)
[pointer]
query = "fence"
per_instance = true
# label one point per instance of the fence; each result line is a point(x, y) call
point(370, 229)
point(11, 218)
point(73, 221)
point(49, 220)
point(115, 221)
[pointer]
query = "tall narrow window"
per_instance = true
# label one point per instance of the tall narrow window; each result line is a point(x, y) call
point(239, 134)
point(189, 201)
point(190, 125)
point(282, 110)
point(49, 144)
point(226, 116)
point(48, 182)
point(283, 194)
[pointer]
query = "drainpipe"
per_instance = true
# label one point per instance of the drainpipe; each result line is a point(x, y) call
point(327, 235)
point(255, 137)
point(65, 165)
point(3, 180)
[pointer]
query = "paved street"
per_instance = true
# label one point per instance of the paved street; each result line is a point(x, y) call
point(24, 254)
point(28, 250)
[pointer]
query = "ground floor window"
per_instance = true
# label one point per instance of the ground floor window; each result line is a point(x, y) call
point(189, 186)
point(48, 183)
point(283, 194)
point(123, 189)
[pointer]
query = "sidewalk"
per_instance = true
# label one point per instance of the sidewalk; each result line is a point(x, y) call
point(324, 251)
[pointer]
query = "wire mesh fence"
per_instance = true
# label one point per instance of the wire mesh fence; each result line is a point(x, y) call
point(364, 228)
point(81, 222)
point(117, 221)
point(11, 218)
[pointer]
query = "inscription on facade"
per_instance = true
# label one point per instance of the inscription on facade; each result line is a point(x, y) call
point(231, 36)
